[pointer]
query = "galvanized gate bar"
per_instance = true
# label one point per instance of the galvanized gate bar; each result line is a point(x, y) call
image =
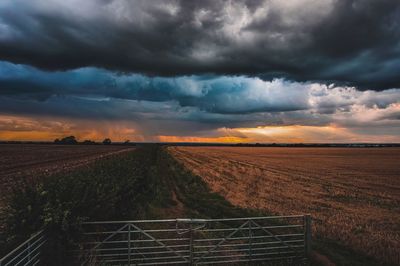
point(223, 240)
point(198, 241)
point(28, 253)
point(269, 233)
point(110, 236)
point(189, 219)
point(157, 241)
point(184, 241)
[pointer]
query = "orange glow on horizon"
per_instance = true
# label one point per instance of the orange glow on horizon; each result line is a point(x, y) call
point(15, 128)
point(224, 139)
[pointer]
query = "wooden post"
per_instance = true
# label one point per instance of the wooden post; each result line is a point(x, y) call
point(29, 251)
point(307, 235)
point(129, 245)
point(250, 241)
point(191, 245)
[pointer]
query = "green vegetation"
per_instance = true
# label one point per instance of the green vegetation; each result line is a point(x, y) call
point(112, 188)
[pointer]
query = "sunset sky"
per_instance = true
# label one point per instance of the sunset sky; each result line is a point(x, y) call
point(203, 71)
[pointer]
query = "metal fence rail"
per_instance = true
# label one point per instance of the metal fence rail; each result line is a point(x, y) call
point(196, 241)
point(28, 253)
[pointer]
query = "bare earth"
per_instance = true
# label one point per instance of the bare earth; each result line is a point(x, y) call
point(353, 194)
point(29, 161)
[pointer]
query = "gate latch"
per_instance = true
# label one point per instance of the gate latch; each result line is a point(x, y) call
point(199, 224)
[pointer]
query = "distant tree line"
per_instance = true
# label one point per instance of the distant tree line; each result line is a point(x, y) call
point(107, 141)
point(67, 140)
point(71, 140)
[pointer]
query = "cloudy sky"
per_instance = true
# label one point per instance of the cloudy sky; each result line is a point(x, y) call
point(211, 71)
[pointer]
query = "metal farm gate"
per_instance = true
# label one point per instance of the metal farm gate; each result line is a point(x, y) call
point(286, 239)
point(28, 253)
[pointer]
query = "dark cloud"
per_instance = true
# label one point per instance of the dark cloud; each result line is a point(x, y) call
point(189, 105)
point(201, 68)
point(354, 42)
point(224, 95)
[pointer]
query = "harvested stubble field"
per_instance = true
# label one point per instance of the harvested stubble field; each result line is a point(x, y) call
point(353, 194)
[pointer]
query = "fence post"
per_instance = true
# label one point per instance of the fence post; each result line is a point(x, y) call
point(129, 245)
point(307, 234)
point(29, 251)
point(191, 245)
point(250, 240)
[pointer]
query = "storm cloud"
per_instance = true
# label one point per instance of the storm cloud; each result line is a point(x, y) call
point(190, 105)
point(246, 70)
point(347, 42)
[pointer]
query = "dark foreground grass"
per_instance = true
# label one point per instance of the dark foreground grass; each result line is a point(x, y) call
point(129, 186)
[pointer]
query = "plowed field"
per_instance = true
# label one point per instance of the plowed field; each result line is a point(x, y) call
point(32, 161)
